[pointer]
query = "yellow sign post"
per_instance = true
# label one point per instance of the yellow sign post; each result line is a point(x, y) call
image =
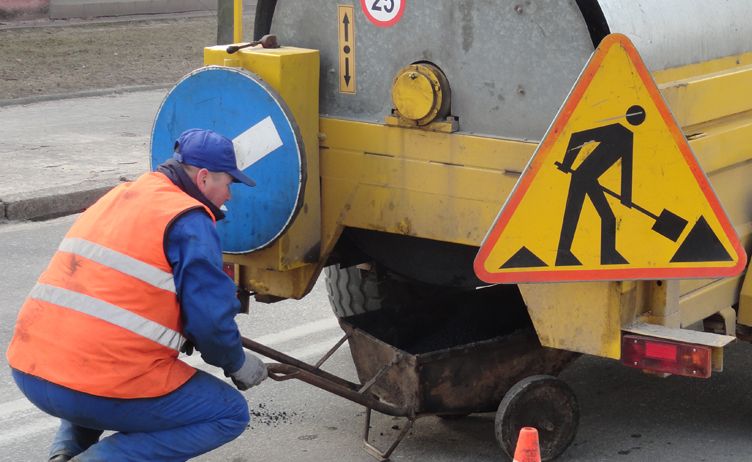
point(346, 28)
point(613, 191)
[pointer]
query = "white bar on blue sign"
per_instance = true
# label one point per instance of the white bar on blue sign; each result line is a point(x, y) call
point(255, 143)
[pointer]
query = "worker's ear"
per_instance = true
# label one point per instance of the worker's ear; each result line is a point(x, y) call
point(201, 178)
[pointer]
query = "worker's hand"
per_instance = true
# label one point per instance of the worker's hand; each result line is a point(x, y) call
point(250, 374)
point(561, 167)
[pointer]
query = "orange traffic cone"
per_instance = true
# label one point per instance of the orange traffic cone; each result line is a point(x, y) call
point(527, 449)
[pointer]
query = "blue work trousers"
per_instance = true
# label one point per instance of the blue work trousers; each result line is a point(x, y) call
point(201, 415)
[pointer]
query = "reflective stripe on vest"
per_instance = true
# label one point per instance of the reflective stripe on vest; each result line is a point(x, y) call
point(105, 318)
point(108, 313)
point(119, 262)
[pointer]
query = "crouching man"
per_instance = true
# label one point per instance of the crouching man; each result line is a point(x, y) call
point(137, 279)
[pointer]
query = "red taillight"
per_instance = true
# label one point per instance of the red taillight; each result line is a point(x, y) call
point(666, 356)
point(661, 351)
point(229, 269)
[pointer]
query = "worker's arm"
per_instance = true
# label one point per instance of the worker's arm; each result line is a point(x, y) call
point(576, 142)
point(206, 294)
point(570, 154)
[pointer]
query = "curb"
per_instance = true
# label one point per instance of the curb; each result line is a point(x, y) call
point(75, 22)
point(83, 94)
point(54, 202)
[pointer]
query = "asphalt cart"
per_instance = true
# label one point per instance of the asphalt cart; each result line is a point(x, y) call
point(449, 360)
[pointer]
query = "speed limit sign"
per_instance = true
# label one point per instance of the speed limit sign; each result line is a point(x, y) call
point(383, 13)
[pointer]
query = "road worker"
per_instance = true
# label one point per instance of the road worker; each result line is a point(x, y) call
point(137, 278)
point(615, 143)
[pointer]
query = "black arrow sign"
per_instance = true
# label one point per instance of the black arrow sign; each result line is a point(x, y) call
point(346, 22)
point(347, 72)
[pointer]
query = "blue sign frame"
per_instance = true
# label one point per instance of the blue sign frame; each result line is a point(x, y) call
point(231, 101)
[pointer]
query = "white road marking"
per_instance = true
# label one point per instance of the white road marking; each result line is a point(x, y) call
point(13, 407)
point(41, 423)
point(281, 337)
point(298, 331)
point(25, 419)
point(316, 350)
point(256, 142)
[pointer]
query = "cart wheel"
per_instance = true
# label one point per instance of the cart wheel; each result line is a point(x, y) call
point(543, 402)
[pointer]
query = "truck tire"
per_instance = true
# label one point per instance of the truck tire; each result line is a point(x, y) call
point(353, 291)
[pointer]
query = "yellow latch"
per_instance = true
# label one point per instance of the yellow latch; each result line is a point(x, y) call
point(421, 93)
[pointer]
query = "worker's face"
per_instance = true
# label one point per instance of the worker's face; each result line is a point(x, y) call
point(214, 185)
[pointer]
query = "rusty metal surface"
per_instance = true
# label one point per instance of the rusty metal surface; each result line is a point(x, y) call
point(475, 377)
point(451, 358)
point(464, 379)
point(400, 383)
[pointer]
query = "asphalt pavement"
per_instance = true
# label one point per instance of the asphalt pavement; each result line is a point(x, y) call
point(60, 156)
point(626, 416)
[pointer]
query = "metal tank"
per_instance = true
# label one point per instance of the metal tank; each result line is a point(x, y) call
point(510, 63)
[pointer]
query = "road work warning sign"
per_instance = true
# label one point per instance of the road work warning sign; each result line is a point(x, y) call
point(613, 191)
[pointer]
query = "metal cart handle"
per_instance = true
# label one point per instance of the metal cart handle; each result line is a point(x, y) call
point(291, 368)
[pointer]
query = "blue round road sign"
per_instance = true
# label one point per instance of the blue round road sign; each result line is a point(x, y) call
point(268, 148)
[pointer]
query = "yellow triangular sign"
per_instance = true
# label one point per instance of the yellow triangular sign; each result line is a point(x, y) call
point(613, 191)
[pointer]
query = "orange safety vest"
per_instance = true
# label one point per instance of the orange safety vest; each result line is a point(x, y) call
point(104, 317)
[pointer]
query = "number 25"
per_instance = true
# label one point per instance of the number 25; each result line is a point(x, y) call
point(376, 6)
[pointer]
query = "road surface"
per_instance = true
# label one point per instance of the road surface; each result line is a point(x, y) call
point(626, 416)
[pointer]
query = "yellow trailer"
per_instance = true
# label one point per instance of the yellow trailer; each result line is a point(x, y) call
point(414, 122)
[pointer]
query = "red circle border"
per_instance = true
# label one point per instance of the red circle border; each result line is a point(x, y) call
point(378, 23)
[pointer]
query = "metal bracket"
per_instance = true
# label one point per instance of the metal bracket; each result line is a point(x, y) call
point(378, 374)
point(383, 456)
point(331, 351)
point(449, 125)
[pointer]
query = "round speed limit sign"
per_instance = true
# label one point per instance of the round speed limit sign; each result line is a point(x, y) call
point(383, 13)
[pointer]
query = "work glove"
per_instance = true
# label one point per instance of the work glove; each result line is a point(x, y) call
point(250, 374)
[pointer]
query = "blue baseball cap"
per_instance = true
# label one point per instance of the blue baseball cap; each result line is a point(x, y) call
point(210, 150)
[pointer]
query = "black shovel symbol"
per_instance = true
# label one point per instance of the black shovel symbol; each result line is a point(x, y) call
point(667, 224)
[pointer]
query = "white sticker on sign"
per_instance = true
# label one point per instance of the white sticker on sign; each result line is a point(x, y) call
point(383, 13)
point(256, 142)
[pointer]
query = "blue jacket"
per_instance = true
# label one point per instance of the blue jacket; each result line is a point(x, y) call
point(206, 294)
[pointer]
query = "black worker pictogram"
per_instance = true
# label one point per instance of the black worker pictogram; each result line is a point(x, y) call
point(615, 143)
